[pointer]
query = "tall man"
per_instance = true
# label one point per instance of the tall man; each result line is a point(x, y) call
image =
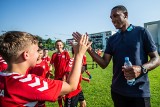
point(136, 43)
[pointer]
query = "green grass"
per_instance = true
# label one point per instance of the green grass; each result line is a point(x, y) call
point(97, 92)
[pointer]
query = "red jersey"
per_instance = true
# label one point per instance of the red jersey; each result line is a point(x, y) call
point(40, 69)
point(59, 60)
point(79, 89)
point(84, 60)
point(3, 64)
point(26, 90)
point(46, 58)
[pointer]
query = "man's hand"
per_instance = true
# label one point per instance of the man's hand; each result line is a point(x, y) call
point(131, 72)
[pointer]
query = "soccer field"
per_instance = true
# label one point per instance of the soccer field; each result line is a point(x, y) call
point(97, 92)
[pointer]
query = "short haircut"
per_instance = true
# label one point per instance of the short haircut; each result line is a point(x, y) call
point(120, 7)
point(13, 42)
point(40, 48)
point(58, 41)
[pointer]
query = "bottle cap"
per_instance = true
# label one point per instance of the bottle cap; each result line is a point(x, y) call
point(126, 58)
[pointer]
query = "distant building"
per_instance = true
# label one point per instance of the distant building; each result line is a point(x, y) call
point(100, 39)
point(68, 42)
point(154, 29)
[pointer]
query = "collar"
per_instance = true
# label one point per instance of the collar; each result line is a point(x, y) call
point(130, 28)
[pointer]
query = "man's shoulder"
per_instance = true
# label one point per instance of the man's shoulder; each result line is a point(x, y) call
point(140, 28)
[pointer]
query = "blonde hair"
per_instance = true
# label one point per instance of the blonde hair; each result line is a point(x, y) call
point(13, 42)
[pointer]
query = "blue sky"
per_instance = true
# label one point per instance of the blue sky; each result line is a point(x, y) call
point(59, 18)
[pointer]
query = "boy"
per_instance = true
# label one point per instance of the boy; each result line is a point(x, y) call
point(58, 61)
point(20, 51)
point(45, 56)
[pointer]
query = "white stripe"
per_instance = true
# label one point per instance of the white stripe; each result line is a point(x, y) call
point(36, 83)
point(70, 65)
point(31, 104)
point(7, 74)
point(19, 76)
point(45, 87)
point(29, 78)
point(2, 61)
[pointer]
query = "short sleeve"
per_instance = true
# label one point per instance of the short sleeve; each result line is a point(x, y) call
point(149, 44)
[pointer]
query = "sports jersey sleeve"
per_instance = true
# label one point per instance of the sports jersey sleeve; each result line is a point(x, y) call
point(35, 88)
point(67, 55)
point(148, 41)
point(69, 65)
point(53, 58)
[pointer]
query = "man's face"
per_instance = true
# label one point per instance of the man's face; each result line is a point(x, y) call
point(118, 18)
point(59, 46)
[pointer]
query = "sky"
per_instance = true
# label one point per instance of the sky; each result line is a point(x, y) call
point(58, 19)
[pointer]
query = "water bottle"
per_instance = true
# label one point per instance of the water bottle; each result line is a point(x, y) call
point(127, 63)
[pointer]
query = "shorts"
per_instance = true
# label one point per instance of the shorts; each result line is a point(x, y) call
point(85, 67)
point(73, 101)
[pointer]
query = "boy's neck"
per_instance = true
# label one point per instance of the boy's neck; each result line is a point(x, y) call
point(39, 61)
point(17, 68)
point(60, 51)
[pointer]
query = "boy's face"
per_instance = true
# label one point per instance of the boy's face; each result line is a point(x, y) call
point(33, 55)
point(40, 54)
point(59, 46)
point(45, 52)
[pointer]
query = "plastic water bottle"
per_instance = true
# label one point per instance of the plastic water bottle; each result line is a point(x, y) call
point(127, 63)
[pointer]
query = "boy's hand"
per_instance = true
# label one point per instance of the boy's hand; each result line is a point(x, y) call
point(82, 41)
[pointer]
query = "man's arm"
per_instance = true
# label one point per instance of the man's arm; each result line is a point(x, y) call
point(153, 62)
point(102, 61)
point(135, 71)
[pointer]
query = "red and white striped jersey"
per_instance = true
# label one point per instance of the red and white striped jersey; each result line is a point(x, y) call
point(26, 90)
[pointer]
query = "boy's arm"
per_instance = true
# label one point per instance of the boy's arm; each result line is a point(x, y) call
point(74, 76)
point(86, 79)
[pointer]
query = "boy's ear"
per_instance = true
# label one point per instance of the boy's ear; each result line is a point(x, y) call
point(25, 55)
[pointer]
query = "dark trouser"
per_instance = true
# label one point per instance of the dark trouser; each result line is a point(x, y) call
point(123, 101)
